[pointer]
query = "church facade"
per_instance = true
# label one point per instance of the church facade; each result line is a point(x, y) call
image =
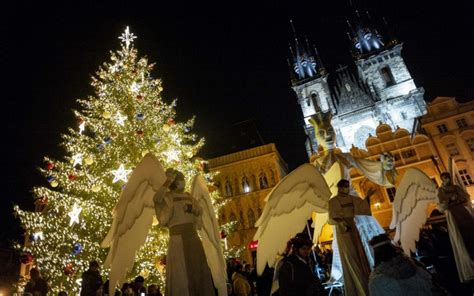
point(377, 87)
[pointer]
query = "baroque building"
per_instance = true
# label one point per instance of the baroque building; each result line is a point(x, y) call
point(380, 88)
point(245, 178)
point(447, 132)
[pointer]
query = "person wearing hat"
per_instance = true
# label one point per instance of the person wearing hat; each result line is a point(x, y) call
point(91, 280)
point(396, 274)
point(295, 276)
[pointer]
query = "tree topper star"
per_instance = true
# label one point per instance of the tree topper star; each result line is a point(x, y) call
point(120, 174)
point(127, 37)
point(74, 214)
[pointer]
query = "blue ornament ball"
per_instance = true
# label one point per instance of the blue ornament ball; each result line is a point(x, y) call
point(77, 248)
point(140, 116)
point(50, 179)
point(107, 140)
point(100, 147)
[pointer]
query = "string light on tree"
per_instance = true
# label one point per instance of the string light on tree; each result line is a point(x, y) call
point(120, 174)
point(172, 155)
point(74, 214)
point(82, 127)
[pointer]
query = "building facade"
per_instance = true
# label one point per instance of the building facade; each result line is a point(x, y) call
point(245, 178)
point(450, 125)
point(380, 88)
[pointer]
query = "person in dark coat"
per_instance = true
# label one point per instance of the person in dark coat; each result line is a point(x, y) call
point(37, 286)
point(295, 276)
point(91, 280)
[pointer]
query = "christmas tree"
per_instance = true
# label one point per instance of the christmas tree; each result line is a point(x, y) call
point(122, 122)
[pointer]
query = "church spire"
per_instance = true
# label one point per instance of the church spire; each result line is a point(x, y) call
point(305, 61)
point(365, 36)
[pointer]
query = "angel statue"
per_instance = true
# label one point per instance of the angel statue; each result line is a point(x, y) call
point(194, 260)
point(414, 195)
point(308, 189)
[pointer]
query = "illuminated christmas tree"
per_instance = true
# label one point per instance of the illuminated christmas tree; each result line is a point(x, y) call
point(125, 119)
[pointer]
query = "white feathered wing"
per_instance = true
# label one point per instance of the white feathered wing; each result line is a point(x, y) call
point(288, 207)
point(332, 176)
point(210, 237)
point(415, 192)
point(132, 218)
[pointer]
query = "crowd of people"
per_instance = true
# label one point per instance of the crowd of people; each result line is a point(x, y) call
point(91, 285)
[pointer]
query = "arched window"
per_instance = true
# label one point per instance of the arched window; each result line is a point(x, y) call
point(387, 76)
point(228, 189)
point(272, 177)
point(241, 220)
point(245, 184)
point(233, 218)
point(262, 179)
point(251, 218)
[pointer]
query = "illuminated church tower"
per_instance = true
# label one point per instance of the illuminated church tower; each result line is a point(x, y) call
point(379, 89)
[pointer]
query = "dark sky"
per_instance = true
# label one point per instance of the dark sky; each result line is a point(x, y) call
point(225, 62)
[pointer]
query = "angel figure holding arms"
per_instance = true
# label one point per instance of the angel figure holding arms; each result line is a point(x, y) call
point(195, 263)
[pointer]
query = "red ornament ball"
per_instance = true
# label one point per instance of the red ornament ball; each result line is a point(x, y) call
point(139, 97)
point(223, 234)
point(26, 258)
point(140, 133)
point(171, 121)
point(72, 177)
point(69, 269)
point(50, 166)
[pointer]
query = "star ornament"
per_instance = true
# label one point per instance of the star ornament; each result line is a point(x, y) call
point(127, 37)
point(120, 119)
point(77, 159)
point(82, 127)
point(74, 214)
point(120, 174)
point(172, 155)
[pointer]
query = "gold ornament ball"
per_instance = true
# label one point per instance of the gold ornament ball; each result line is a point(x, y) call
point(95, 188)
point(54, 183)
point(160, 88)
point(166, 128)
point(189, 154)
point(106, 114)
point(89, 160)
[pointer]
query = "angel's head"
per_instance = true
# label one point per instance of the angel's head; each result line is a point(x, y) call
point(383, 249)
point(178, 183)
point(387, 161)
point(324, 132)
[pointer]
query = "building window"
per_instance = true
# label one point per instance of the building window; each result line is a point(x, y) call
point(308, 102)
point(391, 193)
point(251, 218)
point(314, 100)
point(396, 156)
point(262, 179)
point(228, 188)
point(461, 123)
point(387, 76)
point(232, 217)
point(470, 143)
point(442, 128)
point(245, 184)
point(452, 149)
point(408, 153)
point(466, 178)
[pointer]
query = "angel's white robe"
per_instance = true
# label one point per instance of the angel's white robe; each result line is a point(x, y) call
point(355, 265)
point(187, 272)
point(456, 204)
point(355, 277)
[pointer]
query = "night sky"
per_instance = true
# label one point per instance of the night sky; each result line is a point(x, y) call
point(225, 62)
